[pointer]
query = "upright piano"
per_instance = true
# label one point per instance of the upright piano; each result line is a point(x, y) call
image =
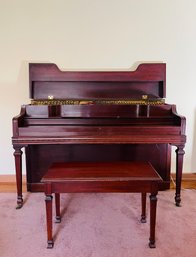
point(97, 116)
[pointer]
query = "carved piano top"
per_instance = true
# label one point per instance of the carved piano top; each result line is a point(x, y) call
point(46, 81)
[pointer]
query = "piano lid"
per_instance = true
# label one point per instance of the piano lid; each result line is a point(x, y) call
point(48, 82)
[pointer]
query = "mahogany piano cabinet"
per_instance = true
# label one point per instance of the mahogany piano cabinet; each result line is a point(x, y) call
point(97, 116)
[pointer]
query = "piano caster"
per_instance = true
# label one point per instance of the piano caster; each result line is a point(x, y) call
point(58, 219)
point(152, 244)
point(19, 202)
point(143, 219)
point(19, 206)
point(178, 201)
point(50, 244)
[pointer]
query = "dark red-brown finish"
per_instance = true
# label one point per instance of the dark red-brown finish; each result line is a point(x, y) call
point(95, 177)
point(97, 132)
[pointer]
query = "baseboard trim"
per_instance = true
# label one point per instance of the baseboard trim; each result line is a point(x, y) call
point(8, 182)
point(188, 181)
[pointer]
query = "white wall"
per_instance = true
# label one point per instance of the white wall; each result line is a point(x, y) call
point(96, 35)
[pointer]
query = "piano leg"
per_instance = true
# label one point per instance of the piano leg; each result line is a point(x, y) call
point(18, 167)
point(179, 163)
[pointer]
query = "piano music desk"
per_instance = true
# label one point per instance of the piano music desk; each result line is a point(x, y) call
point(105, 177)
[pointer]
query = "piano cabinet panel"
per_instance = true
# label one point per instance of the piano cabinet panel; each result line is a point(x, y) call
point(40, 157)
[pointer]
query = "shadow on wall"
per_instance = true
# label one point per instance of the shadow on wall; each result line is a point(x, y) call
point(193, 161)
point(22, 83)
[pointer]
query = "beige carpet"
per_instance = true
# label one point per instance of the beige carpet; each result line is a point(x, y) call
point(98, 225)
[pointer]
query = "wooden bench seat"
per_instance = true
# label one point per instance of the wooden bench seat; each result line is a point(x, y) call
point(105, 177)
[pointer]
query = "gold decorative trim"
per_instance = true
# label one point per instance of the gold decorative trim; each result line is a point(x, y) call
point(100, 102)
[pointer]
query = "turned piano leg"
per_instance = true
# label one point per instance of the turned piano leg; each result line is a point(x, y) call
point(179, 163)
point(18, 167)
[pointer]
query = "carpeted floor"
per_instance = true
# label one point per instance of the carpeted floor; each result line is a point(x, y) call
point(98, 225)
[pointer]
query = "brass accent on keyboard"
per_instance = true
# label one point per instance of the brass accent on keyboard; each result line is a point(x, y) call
point(144, 97)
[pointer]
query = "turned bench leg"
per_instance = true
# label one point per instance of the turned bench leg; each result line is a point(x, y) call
point(48, 201)
point(57, 204)
point(153, 205)
point(143, 215)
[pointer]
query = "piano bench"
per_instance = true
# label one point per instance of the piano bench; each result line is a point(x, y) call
point(104, 177)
